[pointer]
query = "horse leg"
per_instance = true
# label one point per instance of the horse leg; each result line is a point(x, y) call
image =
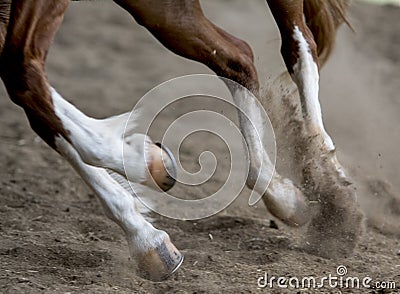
point(99, 142)
point(299, 51)
point(31, 29)
point(4, 15)
point(337, 224)
point(154, 255)
point(182, 28)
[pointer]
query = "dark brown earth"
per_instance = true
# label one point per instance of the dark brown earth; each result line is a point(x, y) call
point(54, 237)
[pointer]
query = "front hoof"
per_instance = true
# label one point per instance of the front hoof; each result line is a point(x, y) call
point(159, 263)
point(287, 203)
point(162, 167)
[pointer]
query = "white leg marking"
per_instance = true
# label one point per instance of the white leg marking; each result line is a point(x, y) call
point(281, 196)
point(118, 203)
point(100, 142)
point(306, 77)
point(153, 253)
point(252, 127)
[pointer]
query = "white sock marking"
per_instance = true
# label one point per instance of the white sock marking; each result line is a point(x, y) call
point(252, 127)
point(282, 194)
point(119, 205)
point(306, 77)
point(100, 142)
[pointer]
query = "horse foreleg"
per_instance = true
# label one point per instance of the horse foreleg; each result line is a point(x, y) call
point(154, 255)
point(182, 28)
point(102, 143)
point(99, 142)
point(31, 29)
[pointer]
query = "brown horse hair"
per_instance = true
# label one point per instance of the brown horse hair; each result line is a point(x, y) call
point(323, 17)
point(5, 7)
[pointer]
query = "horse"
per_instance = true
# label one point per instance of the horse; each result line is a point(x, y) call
point(27, 28)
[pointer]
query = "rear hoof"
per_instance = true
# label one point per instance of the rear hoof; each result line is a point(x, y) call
point(162, 167)
point(159, 263)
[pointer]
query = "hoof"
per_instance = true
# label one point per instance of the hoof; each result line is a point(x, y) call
point(301, 214)
point(159, 263)
point(287, 203)
point(162, 167)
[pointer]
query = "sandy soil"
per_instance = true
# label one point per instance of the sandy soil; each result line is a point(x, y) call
point(54, 236)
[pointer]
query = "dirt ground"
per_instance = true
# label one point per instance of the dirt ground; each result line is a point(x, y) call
point(54, 237)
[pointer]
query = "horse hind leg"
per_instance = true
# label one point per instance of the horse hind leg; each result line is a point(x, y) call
point(299, 52)
point(182, 28)
point(335, 229)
